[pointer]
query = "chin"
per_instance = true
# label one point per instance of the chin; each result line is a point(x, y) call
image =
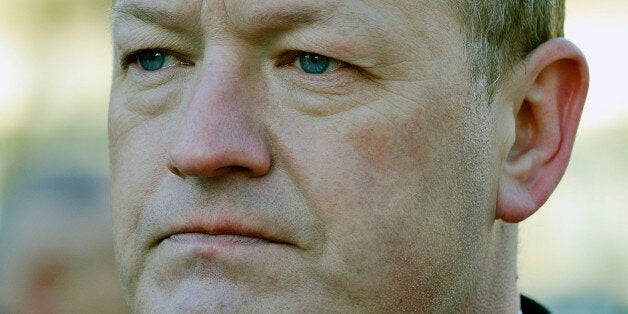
point(189, 296)
point(220, 298)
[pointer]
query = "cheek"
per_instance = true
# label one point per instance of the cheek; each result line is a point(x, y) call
point(402, 144)
point(394, 182)
point(426, 204)
point(138, 145)
point(140, 130)
point(385, 145)
point(138, 159)
point(133, 180)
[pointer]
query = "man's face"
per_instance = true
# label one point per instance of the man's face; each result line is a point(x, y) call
point(290, 154)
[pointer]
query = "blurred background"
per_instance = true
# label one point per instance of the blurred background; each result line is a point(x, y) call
point(55, 234)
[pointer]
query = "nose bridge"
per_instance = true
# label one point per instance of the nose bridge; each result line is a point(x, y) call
point(221, 70)
point(216, 94)
point(218, 134)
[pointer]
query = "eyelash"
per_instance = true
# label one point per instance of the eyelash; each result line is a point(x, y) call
point(133, 57)
point(287, 59)
point(291, 58)
point(130, 58)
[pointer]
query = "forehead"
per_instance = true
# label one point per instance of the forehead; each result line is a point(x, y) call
point(262, 15)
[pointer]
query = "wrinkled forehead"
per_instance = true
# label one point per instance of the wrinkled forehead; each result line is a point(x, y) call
point(244, 15)
point(213, 8)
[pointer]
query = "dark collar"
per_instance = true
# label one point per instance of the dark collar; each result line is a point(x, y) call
point(529, 306)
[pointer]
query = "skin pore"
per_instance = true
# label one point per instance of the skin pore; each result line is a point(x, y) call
point(374, 186)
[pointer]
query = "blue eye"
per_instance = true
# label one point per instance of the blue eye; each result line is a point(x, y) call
point(313, 63)
point(151, 60)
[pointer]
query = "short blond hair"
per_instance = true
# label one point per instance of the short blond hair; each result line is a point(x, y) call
point(501, 33)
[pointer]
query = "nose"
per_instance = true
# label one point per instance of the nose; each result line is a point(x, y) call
point(219, 134)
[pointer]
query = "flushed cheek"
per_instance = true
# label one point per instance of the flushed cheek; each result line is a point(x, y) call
point(386, 145)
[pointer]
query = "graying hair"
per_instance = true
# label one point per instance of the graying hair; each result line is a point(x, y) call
point(500, 34)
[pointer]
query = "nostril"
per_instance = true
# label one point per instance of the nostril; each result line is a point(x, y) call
point(184, 168)
point(173, 168)
point(238, 169)
point(234, 170)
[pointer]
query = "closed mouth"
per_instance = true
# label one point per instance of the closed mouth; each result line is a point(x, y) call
point(234, 239)
point(224, 231)
point(220, 235)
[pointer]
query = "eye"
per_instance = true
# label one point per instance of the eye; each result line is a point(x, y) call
point(152, 60)
point(313, 63)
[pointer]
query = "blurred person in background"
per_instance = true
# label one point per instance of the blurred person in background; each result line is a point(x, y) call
point(331, 156)
point(55, 246)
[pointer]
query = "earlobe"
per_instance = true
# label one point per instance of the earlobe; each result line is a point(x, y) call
point(546, 118)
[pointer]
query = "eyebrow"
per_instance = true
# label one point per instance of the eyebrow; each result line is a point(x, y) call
point(152, 15)
point(292, 18)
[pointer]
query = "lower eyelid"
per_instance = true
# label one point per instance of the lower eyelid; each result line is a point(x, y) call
point(133, 59)
point(151, 79)
point(172, 61)
point(337, 64)
point(334, 65)
point(333, 82)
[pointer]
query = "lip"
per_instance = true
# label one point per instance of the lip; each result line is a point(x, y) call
point(208, 239)
point(222, 232)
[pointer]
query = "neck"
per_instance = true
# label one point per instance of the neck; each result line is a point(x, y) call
point(496, 290)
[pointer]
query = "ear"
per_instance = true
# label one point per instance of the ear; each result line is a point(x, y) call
point(548, 101)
